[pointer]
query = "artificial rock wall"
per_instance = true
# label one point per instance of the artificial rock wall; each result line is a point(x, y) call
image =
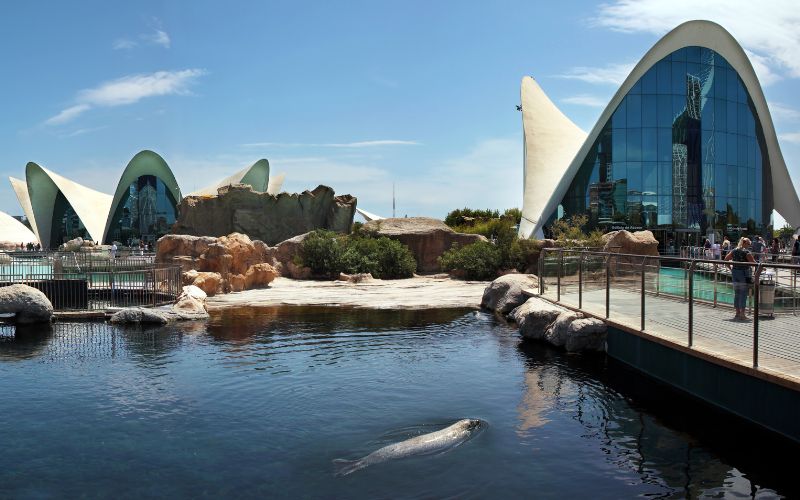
point(262, 216)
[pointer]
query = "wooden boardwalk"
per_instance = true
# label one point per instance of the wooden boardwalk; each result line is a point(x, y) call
point(717, 336)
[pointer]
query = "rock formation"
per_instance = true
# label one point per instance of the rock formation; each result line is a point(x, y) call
point(539, 319)
point(262, 216)
point(638, 243)
point(28, 304)
point(191, 303)
point(505, 293)
point(427, 238)
point(230, 263)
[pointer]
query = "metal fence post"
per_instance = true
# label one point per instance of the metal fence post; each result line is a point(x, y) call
point(644, 259)
point(716, 273)
point(608, 286)
point(756, 290)
point(540, 265)
point(691, 303)
point(580, 280)
point(558, 275)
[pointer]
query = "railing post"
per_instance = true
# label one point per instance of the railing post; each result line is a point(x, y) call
point(756, 291)
point(558, 274)
point(608, 286)
point(580, 280)
point(540, 265)
point(691, 303)
point(715, 283)
point(644, 259)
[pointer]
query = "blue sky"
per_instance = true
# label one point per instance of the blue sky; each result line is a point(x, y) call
point(355, 95)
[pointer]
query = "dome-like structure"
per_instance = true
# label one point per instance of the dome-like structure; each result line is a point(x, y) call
point(14, 231)
point(686, 146)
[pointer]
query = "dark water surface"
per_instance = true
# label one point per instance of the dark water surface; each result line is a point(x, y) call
point(259, 402)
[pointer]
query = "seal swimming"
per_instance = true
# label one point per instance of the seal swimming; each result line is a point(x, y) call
point(429, 443)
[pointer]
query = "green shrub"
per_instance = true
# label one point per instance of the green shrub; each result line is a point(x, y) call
point(457, 217)
point(478, 261)
point(329, 253)
point(322, 251)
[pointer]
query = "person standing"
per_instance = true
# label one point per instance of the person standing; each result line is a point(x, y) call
point(796, 251)
point(775, 249)
point(114, 250)
point(742, 276)
point(757, 248)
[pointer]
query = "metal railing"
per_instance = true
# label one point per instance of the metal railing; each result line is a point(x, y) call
point(101, 290)
point(25, 263)
point(689, 298)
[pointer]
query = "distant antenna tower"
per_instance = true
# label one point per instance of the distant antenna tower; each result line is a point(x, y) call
point(393, 204)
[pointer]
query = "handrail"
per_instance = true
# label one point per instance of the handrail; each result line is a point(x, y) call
point(692, 267)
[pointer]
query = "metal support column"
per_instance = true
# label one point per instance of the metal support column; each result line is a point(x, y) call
point(580, 280)
point(644, 260)
point(756, 291)
point(690, 293)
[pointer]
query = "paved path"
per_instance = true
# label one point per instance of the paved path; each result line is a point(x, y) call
point(715, 331)
point(412, 293)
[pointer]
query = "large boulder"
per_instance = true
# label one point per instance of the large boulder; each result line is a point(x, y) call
point(638, 243)
point(535, 316)
point(259, 276)
point(559, 331)
point(73, 245)
point(586, 334)
point(506, 292)
point(234, 253)
point(28, 304)
point(427, 238)
point(269, 218)
point(139, 315)
point(210, 283)
point(191, 303)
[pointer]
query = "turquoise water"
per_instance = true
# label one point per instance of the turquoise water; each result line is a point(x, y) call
point(257, 403)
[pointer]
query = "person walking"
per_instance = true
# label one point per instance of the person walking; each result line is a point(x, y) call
point(796, 251)
point(757, 248)
point(742, 275)
point(775, 249)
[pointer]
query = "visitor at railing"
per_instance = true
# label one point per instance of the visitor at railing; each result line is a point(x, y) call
point(796, 251)
point(775, 249)
point(758, 246)
point(742, 275)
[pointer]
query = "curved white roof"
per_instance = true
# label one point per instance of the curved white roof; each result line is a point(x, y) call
point(143, 163)
point(256, 175)
point(43, 187)
point(15, 231)
point(692, 33)
point(21, 190)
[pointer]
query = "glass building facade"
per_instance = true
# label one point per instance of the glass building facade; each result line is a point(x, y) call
point(146, 212)
point(683, 155)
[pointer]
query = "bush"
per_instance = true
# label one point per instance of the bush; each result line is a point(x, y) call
point(459, 216)
point(329, 253)
point(322, 252)
point(478, 261)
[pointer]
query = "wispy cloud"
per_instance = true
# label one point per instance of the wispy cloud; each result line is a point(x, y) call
point(83, 131)
point(781, 112)
point(768, 30)
point(156, 37)
point(358, 144)
point(611, 74)
point(586, 100)
point(793, 137)
point(67, 114)
point(159, 37)
point(128, 90)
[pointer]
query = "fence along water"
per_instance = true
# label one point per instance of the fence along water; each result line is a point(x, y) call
point(93, 280)
point(686, 300)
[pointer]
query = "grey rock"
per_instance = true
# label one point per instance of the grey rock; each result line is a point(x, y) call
point(535, 316)
point(138, 315)
point(587, 334)
point(262, 216)
point(28, 304)
point(505, 293)
point(559, 332)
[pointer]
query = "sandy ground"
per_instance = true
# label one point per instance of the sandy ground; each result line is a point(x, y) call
point(413, 293)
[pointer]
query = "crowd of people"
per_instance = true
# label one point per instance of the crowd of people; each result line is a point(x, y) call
point(29, 247)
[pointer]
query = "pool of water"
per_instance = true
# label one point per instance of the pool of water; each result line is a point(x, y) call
point(260, 402)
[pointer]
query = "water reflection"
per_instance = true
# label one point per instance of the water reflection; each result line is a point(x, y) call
point(600, 396)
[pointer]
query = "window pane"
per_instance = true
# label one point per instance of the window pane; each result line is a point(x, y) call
point(618, 119)
point(665, 115)
point(634, 107)
point(732, 114)
point(731, 81)
point(649, 144)
point(742, 182)
point(678, 78)
point(733, 180)
point(741, 119)
point(720, 181)
point(665, 178)
point(650, 82)
point(665, 144)
point(634, 177)
point(618, 145)
point(649, 111)
point(664, 69)
point(650, 177)
point(731, 152)
point(634, 145)
point(720, 148)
